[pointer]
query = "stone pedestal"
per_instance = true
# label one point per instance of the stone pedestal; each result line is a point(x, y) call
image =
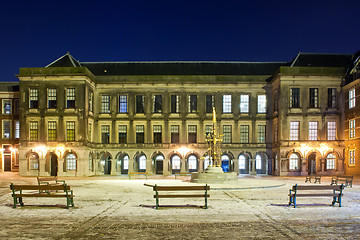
point(213, 175)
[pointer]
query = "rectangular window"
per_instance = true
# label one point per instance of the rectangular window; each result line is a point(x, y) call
point(175, 134)
point(33, 131)
point(105, 104)
point(244, 134)
point(51, 98)
point(294, 131)
point(331, 97)
point(192, 134)
point(352, 128)
point(294, 97)
point(122, 103)
point(157, 134)
point(17, 129)
point(314, 97)
point(352, 157)
point(192, 103)
point(313, 131)
point(261, 133)
point(90, 133)
point(70, 98)
point(261, 104)
point(6, 128)
point(34, 98)
point(91, 101)
point(226, 103)
point(276, 132)
point(244, 103)
point(227, 136)
point(6, 106)
point(139, 106)
point(105, 134)
point(331, 131)
point(157, 103)
point(122, 134)
point(140, 134)
point(70, 131)
point(352, 98)
point(209, 103)
point(175, 104)
point(52, 131)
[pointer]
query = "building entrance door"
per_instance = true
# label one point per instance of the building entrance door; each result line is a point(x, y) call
point(54, 165)
point(7, 163)
point(312, 164)
point(159, 166)
point(107, 167)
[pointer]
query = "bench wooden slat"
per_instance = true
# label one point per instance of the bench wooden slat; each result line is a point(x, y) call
point(318, 187)
point(315, 195)
point(182, 196)
point(181, 188)
point(41, 195)
point(39, 187)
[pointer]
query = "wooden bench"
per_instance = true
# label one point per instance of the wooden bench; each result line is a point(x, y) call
point(346, 180)
point(137, 173)
point(316, 191)
point(180, 192)
point(21, 191)
point(316, 178)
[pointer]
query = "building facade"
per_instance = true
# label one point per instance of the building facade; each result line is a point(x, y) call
point(82, 119)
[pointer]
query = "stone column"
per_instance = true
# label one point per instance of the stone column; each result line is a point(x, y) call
point(149, 166)
point(60, 167)
point(201, 165)
point(322, 164)
point(303, 167)
point(252, 169)
point(42, 167)
point(113, 171)
point(183, 167)
point(166, 167)
point(236, 166)
point(131, 165)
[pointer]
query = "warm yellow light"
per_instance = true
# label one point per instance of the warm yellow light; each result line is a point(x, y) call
point(323, 149)
point(183, 150)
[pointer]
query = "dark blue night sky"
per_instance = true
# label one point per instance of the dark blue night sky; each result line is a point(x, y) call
point(35, 33)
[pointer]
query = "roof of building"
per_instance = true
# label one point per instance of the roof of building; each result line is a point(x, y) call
point(65, 61)
point(321, 60)
point(9, 87)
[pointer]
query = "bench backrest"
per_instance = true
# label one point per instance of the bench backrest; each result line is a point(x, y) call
point(39, 187)
point(345, 177)
point(317, 187)
point(181, 188)
point(45, 179)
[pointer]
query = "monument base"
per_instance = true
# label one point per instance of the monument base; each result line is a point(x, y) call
point(213, 175)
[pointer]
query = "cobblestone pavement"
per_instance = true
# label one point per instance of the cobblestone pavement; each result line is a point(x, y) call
point(123, 209)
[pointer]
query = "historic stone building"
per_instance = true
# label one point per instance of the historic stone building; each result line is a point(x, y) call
point(93, 118)
point(10, 126)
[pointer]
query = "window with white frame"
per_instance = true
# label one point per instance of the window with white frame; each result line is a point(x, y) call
point(294, 131)
point(52, 131)
point(17, 129)
point(313, 131)
point(242, 162)
point(244, 134)
point(351, 157)
point(70, 162)
point(261, 104)
point(70, 98)
point(192, 163)
point(244, 103)
point(293, 162)
point(105, 104)
point(52, 102)
point(226, 103)
point(331, 130)
point(34, 161)
point(33, 98)
point(70, 131)
point(33, 126)
point(126, 162)
point(6, 106)
point(175, 162)
point(330, 161)
point(352, 98)
point(142, 162)
point(314, 97)
point(227, 134)
point(6, 128)
point(352, 128)
point(122, 103)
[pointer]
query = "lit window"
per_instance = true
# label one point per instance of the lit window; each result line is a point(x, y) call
point(261, 133)
point(33, 98)
point(70, 162)
point(122, 134)
point(242, 162)
point(17, 129)
point(6, 103)
point(70, 98)
point(174, 133)
point(331, 131)
point(207, 162)
point(33, 131)
point(34, 161)
point(175, 162)
point(157, 103)
point(261, 103)
point(126, 163)
point(192, 163)
point(51, 131)
point(122, 104)
point(294, 97)
point(70, 131)
point(258, 162)
point(192, 103)
point(192, 134)
point(105, 104)
point(227, 104)
point(244, 134)
point(314, 97)
point(313, 131)
point(140, 134)
point(294, 131)
point(244, 103)
point(52, 98)
point(352, 128)
point(352, 157)
point(352, 98)
point(330, 161)
point(105, 134)
point(157, 134)
point(142, 162)
point(175, 104)
point(227, 134)
point(294, 162)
